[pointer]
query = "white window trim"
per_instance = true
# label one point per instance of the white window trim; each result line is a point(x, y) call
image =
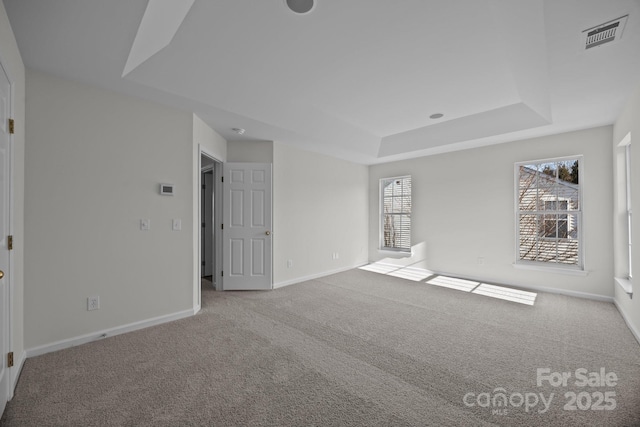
point(579, 269)
point(626, 283)
point(381, 247)
point(627, 155)
point(570, 270)
point(401, 253)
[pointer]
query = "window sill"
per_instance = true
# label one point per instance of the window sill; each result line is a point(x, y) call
point(558, 270)
point(399, 254)
point(625, 284)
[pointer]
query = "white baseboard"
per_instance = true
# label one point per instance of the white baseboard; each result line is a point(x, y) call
point(630, 325)
point(16, 370)
point(314, 276)
point(94, 336)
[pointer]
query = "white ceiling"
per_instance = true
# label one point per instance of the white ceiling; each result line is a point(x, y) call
point(355, 79)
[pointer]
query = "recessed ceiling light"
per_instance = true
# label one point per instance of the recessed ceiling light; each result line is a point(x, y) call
point(300, 6)
point(436, 116)
point(239, 131)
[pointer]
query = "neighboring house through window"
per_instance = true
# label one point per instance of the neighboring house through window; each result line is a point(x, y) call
point(395, 226)
point(549, 212)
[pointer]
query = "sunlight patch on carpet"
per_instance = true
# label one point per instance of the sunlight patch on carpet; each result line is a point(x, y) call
point(411, 273)
point(508, 294)
point(421, 275)
point(453, 283)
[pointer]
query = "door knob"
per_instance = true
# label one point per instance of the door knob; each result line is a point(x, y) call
point(268, 233)
point(1, 274)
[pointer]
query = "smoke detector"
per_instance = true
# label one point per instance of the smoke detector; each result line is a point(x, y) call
point(608, 32)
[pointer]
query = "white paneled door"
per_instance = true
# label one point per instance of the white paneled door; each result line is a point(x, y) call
point(5, 199)
point(247, 257)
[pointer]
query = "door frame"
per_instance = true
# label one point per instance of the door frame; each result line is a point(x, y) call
point(217, 221)
point(7, 334)
point(206, 172)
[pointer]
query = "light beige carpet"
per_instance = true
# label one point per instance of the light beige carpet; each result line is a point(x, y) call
point(351, 349)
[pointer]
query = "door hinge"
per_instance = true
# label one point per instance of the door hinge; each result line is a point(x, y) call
point(204, 187)
point(204, 225)
point(204, 263)
point(11, 126)
point(222, 273)
point(10, 243)
point(222, 178)
point(221, 226)
point(10, 359)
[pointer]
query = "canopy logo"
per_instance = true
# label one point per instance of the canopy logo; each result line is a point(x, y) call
point(502, 402)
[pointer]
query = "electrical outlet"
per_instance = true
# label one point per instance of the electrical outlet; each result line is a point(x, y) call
point(93, 303)
point(289, 263)
point(480, 261)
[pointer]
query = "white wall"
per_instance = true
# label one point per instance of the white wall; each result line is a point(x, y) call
point(208, 140)
point(250, 151)
point(12, 61)
point(320, 207)
point(463, 209)
point(94, 160)
point(629, 121)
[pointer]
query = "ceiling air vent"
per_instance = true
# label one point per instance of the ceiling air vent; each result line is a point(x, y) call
point(604, 33)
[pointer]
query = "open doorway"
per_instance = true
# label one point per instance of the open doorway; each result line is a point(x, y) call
point(210, 238)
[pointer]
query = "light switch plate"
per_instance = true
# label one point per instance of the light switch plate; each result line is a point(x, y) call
point(177, 224)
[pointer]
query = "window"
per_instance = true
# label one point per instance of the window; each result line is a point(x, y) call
point(395, 227)
point(549, 212)
point(623, 231)
point(627, 158)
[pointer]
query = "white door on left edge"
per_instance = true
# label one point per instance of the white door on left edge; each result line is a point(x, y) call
point(5, 199)
point(247, 257)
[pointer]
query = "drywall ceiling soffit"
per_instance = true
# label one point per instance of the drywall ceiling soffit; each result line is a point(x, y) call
point(159, 24)
point(384, 84)
point(355, 79)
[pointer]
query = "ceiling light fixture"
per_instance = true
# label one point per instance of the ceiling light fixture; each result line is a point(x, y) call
point(239, 131)
point(436, 116)
point(300, 7)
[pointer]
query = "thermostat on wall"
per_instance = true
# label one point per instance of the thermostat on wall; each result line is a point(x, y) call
point(166, 189)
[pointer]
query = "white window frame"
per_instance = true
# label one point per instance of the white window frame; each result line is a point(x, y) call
point(626, 144)
point(629, 212)
point(382, 246)
point(578, 268)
